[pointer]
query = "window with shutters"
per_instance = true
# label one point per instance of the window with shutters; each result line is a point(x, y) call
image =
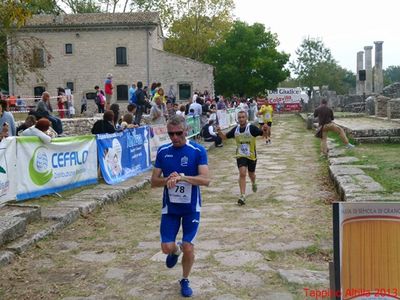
point(68, 48)
point(185, 91)
point(122, 92)
point(121, 56)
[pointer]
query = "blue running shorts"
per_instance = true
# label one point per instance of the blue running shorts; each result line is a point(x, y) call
point(170, 224)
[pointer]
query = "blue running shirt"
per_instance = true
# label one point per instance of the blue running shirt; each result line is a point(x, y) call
point(184, 198)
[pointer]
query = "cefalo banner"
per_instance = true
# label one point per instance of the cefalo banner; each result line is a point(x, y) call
point(65, 163)
point(124, 154)
point(8, 176)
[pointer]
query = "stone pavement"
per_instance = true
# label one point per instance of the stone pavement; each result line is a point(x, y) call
point(271, 248)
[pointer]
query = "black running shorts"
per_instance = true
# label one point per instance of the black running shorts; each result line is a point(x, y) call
point(245, 162)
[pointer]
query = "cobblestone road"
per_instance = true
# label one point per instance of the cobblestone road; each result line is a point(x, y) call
point(271, 248)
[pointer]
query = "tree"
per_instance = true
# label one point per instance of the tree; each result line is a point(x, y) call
point(310, 53)
point(83, 6)
point(391, 74)
point(165, 8)
point(315, 66)
point(247, 62)
point(191, 36)
point(13, 14)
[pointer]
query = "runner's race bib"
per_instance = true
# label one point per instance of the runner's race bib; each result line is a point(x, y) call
point(267, 116)
point(244, 149)
point(181, 193)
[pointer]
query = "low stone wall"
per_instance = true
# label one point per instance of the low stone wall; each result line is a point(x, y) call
point(76, 126)
point(393, 109)
point(381, 104)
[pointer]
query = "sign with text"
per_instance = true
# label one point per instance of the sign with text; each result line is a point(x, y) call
point(66, 163)
point(124, 154)
point(367, 250)
point(159, 136)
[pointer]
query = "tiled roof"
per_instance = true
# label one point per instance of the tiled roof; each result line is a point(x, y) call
point(136, 18)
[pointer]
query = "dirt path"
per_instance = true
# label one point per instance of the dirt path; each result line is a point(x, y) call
point(271, 248)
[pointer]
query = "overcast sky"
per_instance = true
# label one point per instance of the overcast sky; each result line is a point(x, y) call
point(345, 26)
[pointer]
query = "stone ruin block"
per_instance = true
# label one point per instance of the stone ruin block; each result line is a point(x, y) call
point(381, 103)
point(393, 109)
point(370, 105)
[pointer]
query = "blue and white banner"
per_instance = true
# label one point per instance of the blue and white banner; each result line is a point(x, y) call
point(66, 163)
point(124, 154)
point(8, 172)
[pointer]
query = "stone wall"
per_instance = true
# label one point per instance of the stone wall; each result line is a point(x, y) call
point(393, 109)
point(392, 91)
point(76, 126)
point(381, 104)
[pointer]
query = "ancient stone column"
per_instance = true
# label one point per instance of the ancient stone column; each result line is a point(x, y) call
point(360, 66)
point(368, 69)
point(378, 72)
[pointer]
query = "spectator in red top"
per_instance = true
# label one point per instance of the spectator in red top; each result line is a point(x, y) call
point(108, 89)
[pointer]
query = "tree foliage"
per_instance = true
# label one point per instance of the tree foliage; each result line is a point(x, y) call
point(315, 66)
point(311, 53)
point(391, 74)
point(83, 6)
point(247, 62)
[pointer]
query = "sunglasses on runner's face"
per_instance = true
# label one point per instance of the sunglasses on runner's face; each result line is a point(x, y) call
point(177, 133)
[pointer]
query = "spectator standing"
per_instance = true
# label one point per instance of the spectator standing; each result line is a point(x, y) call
point(181, 111)
point(83, 103)
point(7, 118)
point(221, 104)
point(158, 112)
point(21, 104)
point(131, 91)
point(61, 102)
point(108, 89)
point(252, 110)
point(196, 108)
point(160, 93)
point(153, 90)
point(100, 99)
point(171, 94)
point(141, 102)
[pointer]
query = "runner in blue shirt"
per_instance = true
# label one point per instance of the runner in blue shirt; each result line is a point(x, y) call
point(180, 167)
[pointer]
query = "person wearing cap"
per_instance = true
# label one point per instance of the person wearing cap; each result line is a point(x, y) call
point(108, 89)
point(40, 129)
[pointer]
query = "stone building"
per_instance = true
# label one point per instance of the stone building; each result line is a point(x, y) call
point(85, 47)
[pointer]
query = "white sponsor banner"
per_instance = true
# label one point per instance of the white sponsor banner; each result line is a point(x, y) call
point(159, 136)
point(285, 95)
point(64, 164)
point(8, 175)
point(223, 119)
